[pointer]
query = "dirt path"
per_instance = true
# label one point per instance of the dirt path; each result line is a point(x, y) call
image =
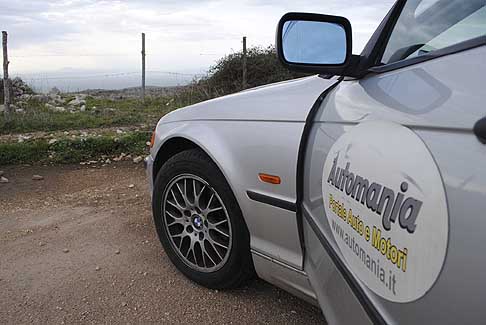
point(80, 247)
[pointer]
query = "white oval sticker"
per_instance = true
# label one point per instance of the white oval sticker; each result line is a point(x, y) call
point(386, 205)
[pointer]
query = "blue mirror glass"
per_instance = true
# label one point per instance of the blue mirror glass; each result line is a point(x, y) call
point(313, 42)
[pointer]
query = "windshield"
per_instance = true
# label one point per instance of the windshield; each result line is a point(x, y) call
point(425, 26)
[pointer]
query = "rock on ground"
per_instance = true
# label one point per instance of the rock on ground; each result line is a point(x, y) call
point(77, 102)
point(54, 91)
point(18, 88)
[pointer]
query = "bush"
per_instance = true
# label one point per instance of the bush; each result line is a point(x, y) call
point(226, 76)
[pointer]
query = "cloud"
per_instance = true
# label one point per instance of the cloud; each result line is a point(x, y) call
point(185, 35)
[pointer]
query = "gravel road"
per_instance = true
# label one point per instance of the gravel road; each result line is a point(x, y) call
point(79, 246)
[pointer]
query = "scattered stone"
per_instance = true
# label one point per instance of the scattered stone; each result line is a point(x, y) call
point(21, 103)
point(65, 250)
point(3, 180)
point(52, 141)
point(108, 161)
point(20, 111)
point(22, 138)
point(138, 159)
point(54, 108)
point(120, 158)
point(98, 268)
point(82, 108)
point(77, 102)
point(169, 102)
point(124, 304)
point(37, 178)
point(54, 91)
point(42, 244)
point(40, 98)
point(18, 88)
point(118, 131)
point(117, 252)
point(58, 100)
point(131, 186)
point(2, 108)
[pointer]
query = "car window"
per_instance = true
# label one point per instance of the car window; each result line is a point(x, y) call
point(424, 5)
point(426, 26)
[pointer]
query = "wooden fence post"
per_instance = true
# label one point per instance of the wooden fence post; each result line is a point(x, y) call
point(6, 80)
point(143, 66)
point(244, 63)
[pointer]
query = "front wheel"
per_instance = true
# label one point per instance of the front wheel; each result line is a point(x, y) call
point(199, 222)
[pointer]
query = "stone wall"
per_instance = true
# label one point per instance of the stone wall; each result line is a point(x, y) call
point(18, 89)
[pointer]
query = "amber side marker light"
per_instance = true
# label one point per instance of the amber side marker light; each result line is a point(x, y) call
point(272, 179)
point(152, 140)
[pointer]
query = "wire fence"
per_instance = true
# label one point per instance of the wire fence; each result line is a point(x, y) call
point(77, 79)
point(75, 82)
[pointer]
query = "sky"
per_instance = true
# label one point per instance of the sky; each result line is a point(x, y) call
point(183, 36)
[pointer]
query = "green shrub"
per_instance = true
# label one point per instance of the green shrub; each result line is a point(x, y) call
point(226, 76)
point(22, 153)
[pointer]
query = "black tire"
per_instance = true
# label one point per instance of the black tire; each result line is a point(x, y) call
point(238, 267)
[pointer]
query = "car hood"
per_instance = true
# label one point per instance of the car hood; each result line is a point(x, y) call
point(283, 101)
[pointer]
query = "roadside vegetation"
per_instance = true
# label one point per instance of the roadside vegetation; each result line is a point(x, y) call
point(86, 150)
point(99, 113)
point(46, 128)
point(225, 77)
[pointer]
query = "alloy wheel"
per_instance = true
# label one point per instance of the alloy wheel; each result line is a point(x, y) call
point(197, 223)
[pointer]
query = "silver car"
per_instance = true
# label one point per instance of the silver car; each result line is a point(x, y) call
point(361, 189)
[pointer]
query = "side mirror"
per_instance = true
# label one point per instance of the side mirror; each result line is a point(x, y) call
point(314, 43)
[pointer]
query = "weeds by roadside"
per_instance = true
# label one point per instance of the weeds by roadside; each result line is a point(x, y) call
point(99, 113)
point(70, 150)
point(47, 115)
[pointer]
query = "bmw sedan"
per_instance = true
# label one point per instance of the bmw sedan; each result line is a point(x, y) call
point(361, 189)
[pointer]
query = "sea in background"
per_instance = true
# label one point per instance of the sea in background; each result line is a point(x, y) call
point(77, 80)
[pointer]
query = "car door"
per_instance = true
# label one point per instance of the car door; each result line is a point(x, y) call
point(395, 179)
